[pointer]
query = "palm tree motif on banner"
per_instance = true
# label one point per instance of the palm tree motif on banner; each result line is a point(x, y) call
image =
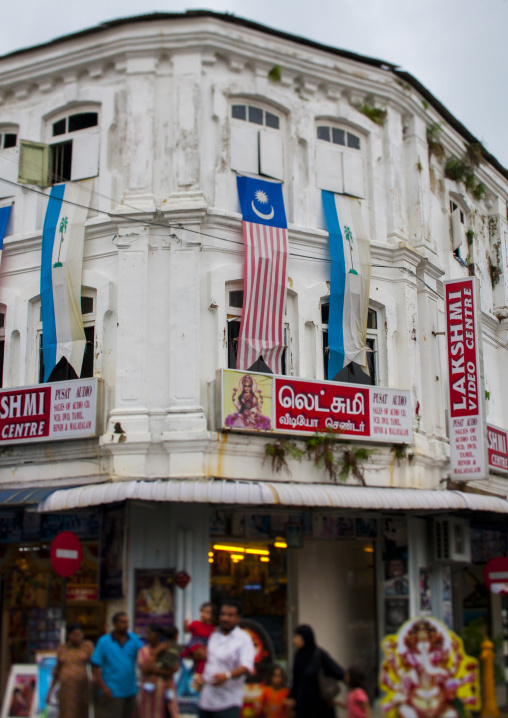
point(349, 237)
point(62, 228)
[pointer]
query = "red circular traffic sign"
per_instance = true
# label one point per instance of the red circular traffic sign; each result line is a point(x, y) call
point(66, 553)
point(495, 575)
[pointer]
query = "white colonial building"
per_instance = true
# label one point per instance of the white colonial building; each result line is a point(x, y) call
point(163, 112)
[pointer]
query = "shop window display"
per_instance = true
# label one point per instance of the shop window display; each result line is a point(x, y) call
point(35, 600)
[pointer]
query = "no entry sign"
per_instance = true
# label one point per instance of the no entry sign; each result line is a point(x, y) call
point(66, 553)
point(495, 575)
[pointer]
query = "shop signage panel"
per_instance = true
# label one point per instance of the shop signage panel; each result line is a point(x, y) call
point(262, 402)
point(497, 440)
point(63, 410)
point(82, 592)
point(468, 435)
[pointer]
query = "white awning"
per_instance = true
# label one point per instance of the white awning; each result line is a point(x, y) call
point(257, 493)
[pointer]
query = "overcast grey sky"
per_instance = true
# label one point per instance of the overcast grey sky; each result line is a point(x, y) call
point(456, 48)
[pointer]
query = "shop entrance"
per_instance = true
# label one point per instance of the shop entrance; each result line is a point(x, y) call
point(337, 597)
point(256, 573)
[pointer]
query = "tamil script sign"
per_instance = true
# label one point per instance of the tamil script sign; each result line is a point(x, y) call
point(262, 402)
point(497, 440)
point(63, 410)
point(468, 455)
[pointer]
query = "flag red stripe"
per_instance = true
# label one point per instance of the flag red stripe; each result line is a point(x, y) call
point(262, 325)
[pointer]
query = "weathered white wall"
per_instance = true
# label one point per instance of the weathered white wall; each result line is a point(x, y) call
point(164, 90)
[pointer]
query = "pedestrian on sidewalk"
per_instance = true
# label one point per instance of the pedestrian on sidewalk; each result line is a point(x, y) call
point(309, 662)
point(71, 674)
point(114, 670)
point(230, 657)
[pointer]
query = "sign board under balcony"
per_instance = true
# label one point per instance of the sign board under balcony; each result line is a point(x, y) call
point(497, 440)
point(49, 412)
point(249, 401)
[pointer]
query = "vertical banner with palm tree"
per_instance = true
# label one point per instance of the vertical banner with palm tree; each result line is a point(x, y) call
point(63, 342)
point(349, 282)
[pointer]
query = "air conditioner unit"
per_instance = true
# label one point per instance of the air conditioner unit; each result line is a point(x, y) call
point(452, 541)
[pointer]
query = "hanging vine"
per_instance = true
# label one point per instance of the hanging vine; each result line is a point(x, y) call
point(326, 450)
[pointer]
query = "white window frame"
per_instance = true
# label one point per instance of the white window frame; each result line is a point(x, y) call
point(234, 314)
point(9, 159)
point(373, 335)
point(8, 129)
point(339, 167)
point(459, 220)
point(37, 158)
point(89, 320)
point(256, 149)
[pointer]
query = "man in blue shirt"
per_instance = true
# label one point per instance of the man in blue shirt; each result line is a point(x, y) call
point(114, 670)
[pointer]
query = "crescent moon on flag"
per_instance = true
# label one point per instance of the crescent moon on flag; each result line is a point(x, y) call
point(260, 214)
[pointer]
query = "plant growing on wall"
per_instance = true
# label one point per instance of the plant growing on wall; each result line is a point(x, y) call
point(275, 74)
point(338, 458)
point(462, 169)
point(434, 140)
point(280, 451)
point(376, 114)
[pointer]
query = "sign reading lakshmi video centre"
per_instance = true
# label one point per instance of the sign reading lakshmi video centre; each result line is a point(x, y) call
point(465, 379)
point(263, 402)
point(63, 410)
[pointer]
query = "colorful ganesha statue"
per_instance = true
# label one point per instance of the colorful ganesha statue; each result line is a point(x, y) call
point(426, 673)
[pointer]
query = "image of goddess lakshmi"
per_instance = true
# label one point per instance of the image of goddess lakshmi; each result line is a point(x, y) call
point(247, 399)
point(426, 672)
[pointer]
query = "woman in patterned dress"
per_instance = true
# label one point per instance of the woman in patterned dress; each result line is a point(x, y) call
point(71, 673)
point(156, 680)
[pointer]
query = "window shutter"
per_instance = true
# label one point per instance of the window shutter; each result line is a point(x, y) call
point(329, 168)
point(34, 159)
point(9, 162)
point(458, 230)
point(354, 180)
point(85, 155)
point(244, 149)
point(271, 160)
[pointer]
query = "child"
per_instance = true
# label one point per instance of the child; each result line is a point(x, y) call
point(273, 701)
point(200, 633)
point(357, 703)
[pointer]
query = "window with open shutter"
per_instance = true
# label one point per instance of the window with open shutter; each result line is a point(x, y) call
point(34, 163)
point(71, 154)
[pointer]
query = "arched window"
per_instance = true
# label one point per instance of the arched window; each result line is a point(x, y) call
point(353, 373)
point(458, 224)
point(71, 153)
point(234, 304)
point(256, 140)
point(8, 136)
point(339, 160)
point(88, 308)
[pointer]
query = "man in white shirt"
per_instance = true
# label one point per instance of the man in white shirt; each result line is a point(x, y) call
point(230, 657)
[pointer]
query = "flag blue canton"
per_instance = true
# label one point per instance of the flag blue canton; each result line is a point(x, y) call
point(261, 202)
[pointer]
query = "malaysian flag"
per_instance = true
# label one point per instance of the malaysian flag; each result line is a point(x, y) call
point(266, 250)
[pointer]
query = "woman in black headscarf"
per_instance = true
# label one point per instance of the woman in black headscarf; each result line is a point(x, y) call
point(308, 661)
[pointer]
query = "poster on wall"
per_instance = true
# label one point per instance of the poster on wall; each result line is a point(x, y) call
point(425, 592)
point(112, 553)
point(154, 598)
point(20, 698)
point(267, 403)
point(468, 431)
point(426, 672)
